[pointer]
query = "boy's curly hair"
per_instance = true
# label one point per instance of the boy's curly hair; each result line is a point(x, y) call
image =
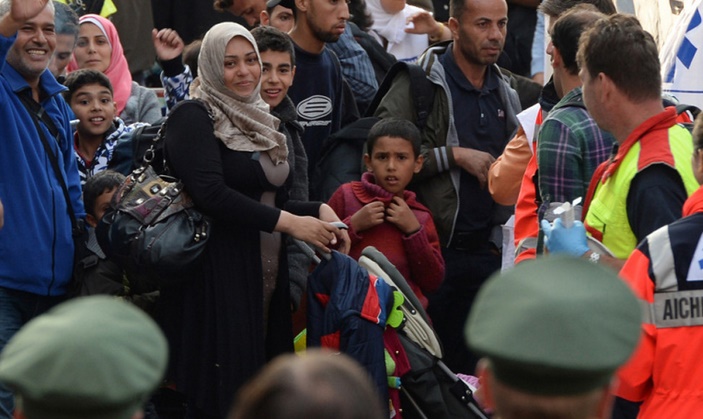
point(79, 78)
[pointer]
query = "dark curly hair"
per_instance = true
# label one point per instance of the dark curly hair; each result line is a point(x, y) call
point(269, 38)
point(79, 78)
point(395, 127)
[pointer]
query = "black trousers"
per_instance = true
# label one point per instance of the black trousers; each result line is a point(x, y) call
point(449, 306)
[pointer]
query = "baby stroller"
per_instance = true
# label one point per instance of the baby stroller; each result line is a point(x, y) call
point(367, 310)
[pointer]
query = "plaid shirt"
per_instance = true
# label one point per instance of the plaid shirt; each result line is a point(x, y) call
point(356, 68)
point(569, 148)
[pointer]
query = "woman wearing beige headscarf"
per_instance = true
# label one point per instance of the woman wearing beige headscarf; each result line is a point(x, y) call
point(225, 324)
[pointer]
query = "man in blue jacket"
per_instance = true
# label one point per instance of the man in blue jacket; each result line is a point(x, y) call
point(36, 245)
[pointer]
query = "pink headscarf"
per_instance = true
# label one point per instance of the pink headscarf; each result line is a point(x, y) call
point(118, 70)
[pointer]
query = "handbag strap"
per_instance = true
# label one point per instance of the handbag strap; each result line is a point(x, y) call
point(36, 110)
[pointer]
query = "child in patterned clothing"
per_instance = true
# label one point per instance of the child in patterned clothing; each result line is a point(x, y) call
point(90, 96)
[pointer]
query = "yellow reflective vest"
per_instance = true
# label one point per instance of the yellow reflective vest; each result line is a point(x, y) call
point(659, 140)
point(107, 10)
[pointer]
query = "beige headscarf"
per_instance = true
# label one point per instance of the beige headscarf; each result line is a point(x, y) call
point(242, 123)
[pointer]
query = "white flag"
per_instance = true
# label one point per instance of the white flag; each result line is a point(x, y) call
point(682, 57)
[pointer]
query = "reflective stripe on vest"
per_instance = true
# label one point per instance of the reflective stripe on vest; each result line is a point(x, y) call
point(671, 307)
point(607, 212)
point(526, 227)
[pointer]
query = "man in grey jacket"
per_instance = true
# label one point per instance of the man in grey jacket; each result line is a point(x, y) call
point(472, 118)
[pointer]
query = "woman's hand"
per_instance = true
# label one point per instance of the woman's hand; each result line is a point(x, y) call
point(343, 241)
point(318, 233)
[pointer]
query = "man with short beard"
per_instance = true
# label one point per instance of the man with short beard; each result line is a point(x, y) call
point(36, 244)
point(318, 91)
point(472, 118)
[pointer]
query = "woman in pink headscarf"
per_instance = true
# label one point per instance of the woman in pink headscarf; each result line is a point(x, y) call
point(99, 48)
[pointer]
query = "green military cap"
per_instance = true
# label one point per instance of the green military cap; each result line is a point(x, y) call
point(91, 357)
point(554, 326)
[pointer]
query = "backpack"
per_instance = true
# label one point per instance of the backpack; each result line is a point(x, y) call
point(341, 158)
point(686, 115)
point(422, 90)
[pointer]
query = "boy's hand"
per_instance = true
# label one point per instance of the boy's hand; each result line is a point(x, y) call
point(400, 214)
point(370, 215)
point(167, 43)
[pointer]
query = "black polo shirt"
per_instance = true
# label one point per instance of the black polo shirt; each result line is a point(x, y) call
point(479, 117)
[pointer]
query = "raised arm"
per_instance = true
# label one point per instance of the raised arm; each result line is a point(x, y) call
point(175, 77)
point(20, 12)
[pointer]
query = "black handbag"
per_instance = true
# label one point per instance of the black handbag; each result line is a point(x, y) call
point(153, 228)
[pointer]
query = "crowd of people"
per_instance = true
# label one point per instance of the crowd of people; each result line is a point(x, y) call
point(249, 111)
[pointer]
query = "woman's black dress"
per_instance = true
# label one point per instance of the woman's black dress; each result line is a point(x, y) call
point(215, 321)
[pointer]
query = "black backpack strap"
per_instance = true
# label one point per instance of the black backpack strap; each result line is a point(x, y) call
point(683, 107)
point(422, 90)
point(37, 112)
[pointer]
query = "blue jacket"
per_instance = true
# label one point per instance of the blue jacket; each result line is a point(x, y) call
point(36, 247)
point(347, 311)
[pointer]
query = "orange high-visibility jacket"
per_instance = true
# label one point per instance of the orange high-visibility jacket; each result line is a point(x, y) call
point(666, 272)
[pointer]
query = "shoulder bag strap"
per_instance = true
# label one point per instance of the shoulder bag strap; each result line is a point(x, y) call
point(37, 111)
